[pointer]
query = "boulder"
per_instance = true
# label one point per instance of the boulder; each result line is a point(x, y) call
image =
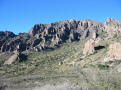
point(12, 59)
point(89, 47)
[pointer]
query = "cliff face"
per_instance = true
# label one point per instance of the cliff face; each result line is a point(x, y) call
point(48, 36)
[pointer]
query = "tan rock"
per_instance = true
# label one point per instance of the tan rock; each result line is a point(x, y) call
point(12, 59)
point(112, 27)
point(114, 52)
point(89, 47)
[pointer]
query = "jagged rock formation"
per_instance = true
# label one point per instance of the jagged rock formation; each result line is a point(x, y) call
point(49, 36)
point(89, 47)
point(4, 36)
point(59, 32)
point(114, 52)
point(112, 27)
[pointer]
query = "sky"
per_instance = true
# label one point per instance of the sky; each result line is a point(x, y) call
point(21, 15)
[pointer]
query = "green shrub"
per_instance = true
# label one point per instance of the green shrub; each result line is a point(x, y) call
point(103, 67)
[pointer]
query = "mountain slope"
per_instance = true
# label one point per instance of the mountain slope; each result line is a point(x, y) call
point(55, 57)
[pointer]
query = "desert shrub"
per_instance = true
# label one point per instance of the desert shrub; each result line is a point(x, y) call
point(103, 67)
point(1, 62)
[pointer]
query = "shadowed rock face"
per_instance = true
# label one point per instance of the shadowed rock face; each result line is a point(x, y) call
point(4, 36)
point(46, 36)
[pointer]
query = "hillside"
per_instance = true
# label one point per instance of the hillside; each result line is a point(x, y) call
point(65, 55)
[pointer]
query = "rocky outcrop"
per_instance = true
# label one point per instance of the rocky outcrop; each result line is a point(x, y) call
point(12, 44)
point(59, 32)
point(22, 41)
point(4, 36)
point(16, 56)
point(112, 27)
point(63, 30)
point(89, 47)
point(114, 52)
point(12, 59)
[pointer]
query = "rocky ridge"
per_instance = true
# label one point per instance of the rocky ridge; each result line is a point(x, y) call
point(49, 36)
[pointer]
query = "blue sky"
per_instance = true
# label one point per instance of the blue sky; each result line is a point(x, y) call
point(21, 15)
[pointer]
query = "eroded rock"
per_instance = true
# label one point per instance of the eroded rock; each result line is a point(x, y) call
point(112, 27)
point(12, 59)
point(89, 47)
point(114, 52)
